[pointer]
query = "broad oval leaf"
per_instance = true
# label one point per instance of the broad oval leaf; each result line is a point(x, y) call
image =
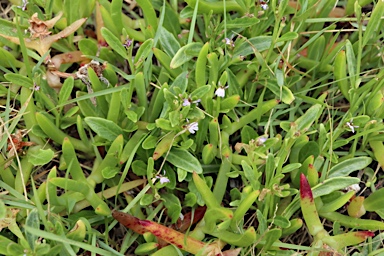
point(40, 157)
point(200, 92)
point(375, 201)
point(348, 166)
point(185, 53)
point(283, 92)
point(260, 43)
point(242, 22)
point(168, 42)
point(143, 52)
point(104, 128)
point(66, 90)
point(19, 80)
point(88, 47)
point(183, 159)
point(289, 36)
point(333, 184)
point(114, 42)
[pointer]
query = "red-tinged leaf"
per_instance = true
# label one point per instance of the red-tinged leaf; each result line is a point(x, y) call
point(183, 224)
point(305, 189)
point(174, 237)
point(365, 234)
point(341, 241)
point(356, 207)
point(129, 221)
point(233, 252)
point(308, 208)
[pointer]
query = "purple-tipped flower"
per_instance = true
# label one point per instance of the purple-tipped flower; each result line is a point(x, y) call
point(264, 5)
point(188, 102)
point(162, 178)
point(36, 87)
point(229, 42)
point(260, 141)
point(127, 43)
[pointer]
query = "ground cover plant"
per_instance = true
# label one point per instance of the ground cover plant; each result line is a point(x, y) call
point(193, 127)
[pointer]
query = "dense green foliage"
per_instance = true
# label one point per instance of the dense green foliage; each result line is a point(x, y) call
point(260, 120)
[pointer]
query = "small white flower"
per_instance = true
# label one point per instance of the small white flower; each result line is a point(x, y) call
point(351, 126)
point(260, 141)
point(164, 180)
point(181, 216)
point(36, 87)
point(186, 102)
point(354, 187)
point(193, 127)
point(264, 6)
point(229, 42)
point(24, 5)
point(220, 92)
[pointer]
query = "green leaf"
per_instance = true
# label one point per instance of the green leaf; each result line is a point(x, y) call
point(183, 159)
point(251, 174)
point(185, 53)
point(260, 43)
point(143, 52)
point(40, 157)
point(7, 59)
point(168, 42)
point(7, 28)
point(333, 184)
point(348, 166)
point(181, 83)
point(271, 236)
point(34, 222)
point(304, 122)
point(282, 92)
point(243, 240)
point(309, 149)
point(190, 199)
point(150, 142)
point(242, 22)
point(88, 47)
point(19, 80)
point(200, 92)
point(173, 205)
point(374, 22)
point(104, 128)
point(66, 90)
point(289, 36)
point(116, 14)
point(114, 42)
point(281, 221)
point(375, 201)
point(139, 168)
point(110, 172)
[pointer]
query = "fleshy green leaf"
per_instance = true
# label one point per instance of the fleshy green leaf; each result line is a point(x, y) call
point(104, 128)
point(40, 157)
point(348, 166)
point(114, 42)
point(183, 159)
point(185, 53)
